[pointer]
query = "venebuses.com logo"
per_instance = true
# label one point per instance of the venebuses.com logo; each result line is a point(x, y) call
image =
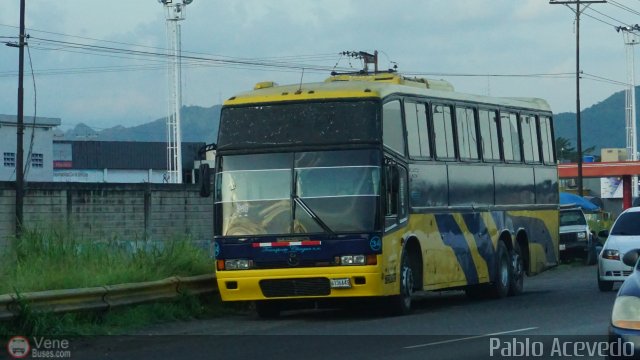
point(19, 347)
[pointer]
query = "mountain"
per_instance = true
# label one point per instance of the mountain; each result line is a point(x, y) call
point(199, 124)
point(603, 124)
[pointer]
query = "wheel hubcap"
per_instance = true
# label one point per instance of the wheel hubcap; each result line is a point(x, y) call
point(407, 284)
point(517, 267)
point(504, 272)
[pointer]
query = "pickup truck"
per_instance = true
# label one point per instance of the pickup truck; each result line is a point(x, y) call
point(576, 239)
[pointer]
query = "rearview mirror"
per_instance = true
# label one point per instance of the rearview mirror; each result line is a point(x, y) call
point(603, 233)
point(204, 180)
point(631, 257)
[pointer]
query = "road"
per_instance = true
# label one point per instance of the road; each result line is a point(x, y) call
point(562, 305)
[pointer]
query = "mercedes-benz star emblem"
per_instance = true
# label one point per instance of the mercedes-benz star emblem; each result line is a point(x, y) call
point(293, 259)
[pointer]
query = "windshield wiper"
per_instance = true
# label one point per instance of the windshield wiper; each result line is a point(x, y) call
point(307, 209)
point(313, 215)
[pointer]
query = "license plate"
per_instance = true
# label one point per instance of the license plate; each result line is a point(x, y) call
point(340, 283)
point(563, 246)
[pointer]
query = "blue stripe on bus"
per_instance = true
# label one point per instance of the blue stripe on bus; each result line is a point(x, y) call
point(452, 236)
point(480, 232)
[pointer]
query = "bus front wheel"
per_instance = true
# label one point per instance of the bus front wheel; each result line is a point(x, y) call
point(401, 304)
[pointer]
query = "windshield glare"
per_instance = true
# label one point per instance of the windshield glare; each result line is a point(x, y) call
point(254, 201)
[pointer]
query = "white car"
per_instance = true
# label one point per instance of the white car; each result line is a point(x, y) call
point(624, 236)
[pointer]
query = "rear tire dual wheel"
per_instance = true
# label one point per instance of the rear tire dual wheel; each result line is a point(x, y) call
point(516, 286)
point(505, 283)
point(504, 273)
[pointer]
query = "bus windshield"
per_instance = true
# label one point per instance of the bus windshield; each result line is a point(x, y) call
point(322, 192)
point(321, 123)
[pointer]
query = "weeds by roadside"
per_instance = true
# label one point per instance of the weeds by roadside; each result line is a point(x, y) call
point(58, 259)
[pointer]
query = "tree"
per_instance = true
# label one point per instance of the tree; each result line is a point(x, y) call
point(565, 152)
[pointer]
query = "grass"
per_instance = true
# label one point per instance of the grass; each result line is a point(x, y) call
point(57, 259)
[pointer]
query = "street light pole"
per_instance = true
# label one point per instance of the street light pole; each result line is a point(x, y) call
point(631, 39)
point(578, 10)
point(175, 11)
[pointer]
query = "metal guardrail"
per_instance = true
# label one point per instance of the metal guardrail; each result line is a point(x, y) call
point(106, 297)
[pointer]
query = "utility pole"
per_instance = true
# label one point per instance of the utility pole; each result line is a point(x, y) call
point(20, 129)
point(175, 11)
point(578, 11)
point(630, 39)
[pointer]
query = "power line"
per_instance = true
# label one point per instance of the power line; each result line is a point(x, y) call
point(623, 7)
point(307, 57)
point(605, 15)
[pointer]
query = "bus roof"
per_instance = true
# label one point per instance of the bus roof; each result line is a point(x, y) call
point(378, 85)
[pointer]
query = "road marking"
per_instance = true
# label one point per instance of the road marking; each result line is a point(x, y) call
point(469, 338)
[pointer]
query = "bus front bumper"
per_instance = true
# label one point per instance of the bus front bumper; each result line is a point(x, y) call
point(304, 283)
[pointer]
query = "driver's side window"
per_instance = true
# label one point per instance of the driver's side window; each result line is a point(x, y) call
point(396, 203)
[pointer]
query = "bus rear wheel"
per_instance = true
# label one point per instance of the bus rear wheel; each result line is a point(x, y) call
point(504, 273)
point(516, 287)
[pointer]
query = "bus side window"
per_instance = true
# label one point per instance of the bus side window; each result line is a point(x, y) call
point(392, 129)
point(443, 132)
point(510, 137)
point(546, 140)
point(396, 197)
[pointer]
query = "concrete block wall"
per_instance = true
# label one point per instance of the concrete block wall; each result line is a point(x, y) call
point(114, 212)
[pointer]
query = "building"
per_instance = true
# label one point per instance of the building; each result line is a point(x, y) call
point(37, 145)
point(118, 161)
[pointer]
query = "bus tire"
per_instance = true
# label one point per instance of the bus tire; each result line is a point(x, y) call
point(516, 286)
point(500, 286)
point(268, 309)
point(401, 304)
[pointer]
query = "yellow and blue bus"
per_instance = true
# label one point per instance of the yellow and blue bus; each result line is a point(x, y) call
point(377, 186)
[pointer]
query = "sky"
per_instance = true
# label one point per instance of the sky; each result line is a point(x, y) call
point(471, 43)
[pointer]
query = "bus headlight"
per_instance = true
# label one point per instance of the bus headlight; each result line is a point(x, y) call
point(357, 260)
point(353, 260)
point(626, 312)
point(238, 264)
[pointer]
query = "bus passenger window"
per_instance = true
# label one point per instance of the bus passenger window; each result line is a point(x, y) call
point(530, 138)
point(510, 138)
point(443, 132)
point(489, 135)
point(417, 130)
point(392, 129)
point(467, 139)
point(546, 140)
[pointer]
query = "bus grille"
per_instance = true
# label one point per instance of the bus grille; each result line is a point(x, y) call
point(295, 287)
